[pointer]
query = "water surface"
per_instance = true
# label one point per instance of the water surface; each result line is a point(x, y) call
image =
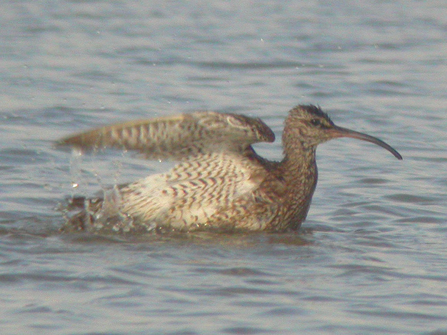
point(370, 259)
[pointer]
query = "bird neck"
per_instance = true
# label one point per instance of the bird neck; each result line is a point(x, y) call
point(299, 164)
point(300, 174)
point(299, 156)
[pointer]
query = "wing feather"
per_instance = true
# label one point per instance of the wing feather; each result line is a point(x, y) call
point(177, 137)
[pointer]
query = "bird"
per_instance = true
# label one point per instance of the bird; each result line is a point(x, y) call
point(219, 182)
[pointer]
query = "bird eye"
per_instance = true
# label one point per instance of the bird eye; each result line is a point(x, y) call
point(315, 122)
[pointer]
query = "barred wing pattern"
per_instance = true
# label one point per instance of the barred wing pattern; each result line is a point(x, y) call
point(191, 194)
point(177, 137)
point(217, 170)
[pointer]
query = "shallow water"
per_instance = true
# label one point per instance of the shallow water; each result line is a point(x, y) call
point(371, 258)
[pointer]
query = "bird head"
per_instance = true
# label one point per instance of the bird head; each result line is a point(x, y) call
point(311, 126)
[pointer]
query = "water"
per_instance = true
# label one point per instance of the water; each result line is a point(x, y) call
point(370, 259)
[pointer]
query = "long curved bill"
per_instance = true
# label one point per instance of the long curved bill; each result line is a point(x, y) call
point(344, 132)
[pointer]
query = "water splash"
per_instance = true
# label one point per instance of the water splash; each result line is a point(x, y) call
point(75, 168)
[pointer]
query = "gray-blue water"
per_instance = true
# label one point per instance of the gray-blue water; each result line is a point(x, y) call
point(370, 259)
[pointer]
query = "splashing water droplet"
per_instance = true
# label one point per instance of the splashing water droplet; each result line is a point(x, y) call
point(75, 167)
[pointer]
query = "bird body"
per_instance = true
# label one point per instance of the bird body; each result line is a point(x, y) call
point(220, 182)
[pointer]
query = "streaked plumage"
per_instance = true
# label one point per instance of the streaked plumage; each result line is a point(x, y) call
point(220, 182)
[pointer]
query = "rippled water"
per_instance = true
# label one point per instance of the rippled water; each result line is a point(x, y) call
point(370, 259)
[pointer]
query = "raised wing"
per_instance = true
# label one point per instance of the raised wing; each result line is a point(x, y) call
point(178, 136)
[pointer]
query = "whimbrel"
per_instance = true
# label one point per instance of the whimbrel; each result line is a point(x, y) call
point(220, 182)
